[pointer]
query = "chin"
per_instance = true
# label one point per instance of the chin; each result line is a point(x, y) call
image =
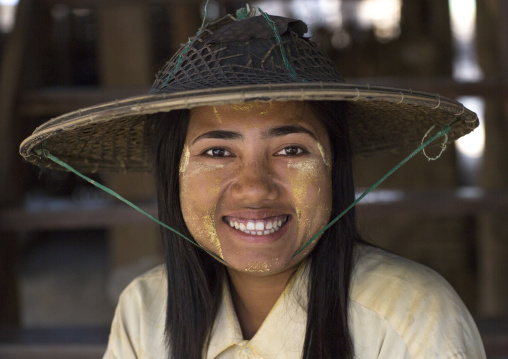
point(261, 264)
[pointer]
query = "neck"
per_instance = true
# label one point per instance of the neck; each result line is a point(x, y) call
point(254, 297)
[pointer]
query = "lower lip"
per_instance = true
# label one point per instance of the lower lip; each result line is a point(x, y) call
point(264, 238)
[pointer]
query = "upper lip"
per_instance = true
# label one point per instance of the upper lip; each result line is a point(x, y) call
point(283, 218)
point(255, 214)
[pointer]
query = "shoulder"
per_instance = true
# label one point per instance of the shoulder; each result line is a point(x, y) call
point(147, 287)
point(381, 272)
point(144, 299)
point(138, 325)
point(412, 308)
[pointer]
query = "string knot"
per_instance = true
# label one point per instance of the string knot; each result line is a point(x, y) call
point(245, 12)
point(444, 132)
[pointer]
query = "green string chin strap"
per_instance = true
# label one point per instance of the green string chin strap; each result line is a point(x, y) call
point(443, 133)
point(44, 152)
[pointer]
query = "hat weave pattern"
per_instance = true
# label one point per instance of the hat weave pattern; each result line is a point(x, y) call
point(214, 60)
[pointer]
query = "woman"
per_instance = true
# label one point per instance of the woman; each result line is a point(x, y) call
point(248, 130)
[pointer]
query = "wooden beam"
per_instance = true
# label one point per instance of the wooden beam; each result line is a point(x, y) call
point(53, 351)
point(67, 214)
point(64, 215)
point(56, 101)
point(488, 87)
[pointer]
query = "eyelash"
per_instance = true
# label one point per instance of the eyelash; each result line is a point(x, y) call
point(300, 151)
point(209, 152)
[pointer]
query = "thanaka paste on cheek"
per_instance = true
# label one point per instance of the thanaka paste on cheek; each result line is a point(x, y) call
point(205, 233)
point(210, 232)
point(200, 222)
point(304, 175)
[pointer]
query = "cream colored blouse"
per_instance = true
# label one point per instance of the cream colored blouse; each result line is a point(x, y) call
point(398, 309)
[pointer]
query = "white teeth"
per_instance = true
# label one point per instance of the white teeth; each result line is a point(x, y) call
point(258, 227)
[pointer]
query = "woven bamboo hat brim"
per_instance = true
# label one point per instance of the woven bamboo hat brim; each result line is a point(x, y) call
point(236, 61)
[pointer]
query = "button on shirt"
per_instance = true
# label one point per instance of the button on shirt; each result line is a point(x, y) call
point(398, 309)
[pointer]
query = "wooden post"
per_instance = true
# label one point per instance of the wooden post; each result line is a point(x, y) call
point(125, 61)
point(10, 162)
point(493, 229)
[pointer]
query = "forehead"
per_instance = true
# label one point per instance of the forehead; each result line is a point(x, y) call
point(251, 115)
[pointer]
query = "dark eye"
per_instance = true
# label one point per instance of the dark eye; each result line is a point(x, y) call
point(290, 151)
point(218, 152)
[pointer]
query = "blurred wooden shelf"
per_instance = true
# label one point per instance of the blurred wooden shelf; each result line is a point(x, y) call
point(66, 214)
point(488, 87)
point(53, 343)
point(53, 101)
point(90, 343)
point(52, 351)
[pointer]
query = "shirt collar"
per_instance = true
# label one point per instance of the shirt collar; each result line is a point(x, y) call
point(282, 333)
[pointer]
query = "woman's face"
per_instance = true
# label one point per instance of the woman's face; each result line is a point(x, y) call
point(255, 183)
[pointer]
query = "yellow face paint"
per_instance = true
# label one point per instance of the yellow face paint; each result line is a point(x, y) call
point(203, 226)
point(184, 161)
point(323, 155)
point(258, 267)
point(209, 231)
point(209, 221)
point(305, 175)
point(259, 108)
point(217, 115)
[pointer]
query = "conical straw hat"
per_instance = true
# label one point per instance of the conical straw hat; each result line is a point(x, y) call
point(260, 58)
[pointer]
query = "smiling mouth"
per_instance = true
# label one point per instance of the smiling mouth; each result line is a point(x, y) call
point(257, 227)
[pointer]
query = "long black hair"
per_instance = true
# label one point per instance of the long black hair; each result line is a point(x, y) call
point(195, 278)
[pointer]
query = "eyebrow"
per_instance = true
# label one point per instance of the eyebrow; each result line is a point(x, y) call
point(272, 132)
point(287, 130)
point(219, 134)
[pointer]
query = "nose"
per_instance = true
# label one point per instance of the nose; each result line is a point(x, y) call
point(254, 183)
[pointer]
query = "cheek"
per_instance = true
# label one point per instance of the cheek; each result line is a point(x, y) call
point(199, 195)
point(310, 182)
